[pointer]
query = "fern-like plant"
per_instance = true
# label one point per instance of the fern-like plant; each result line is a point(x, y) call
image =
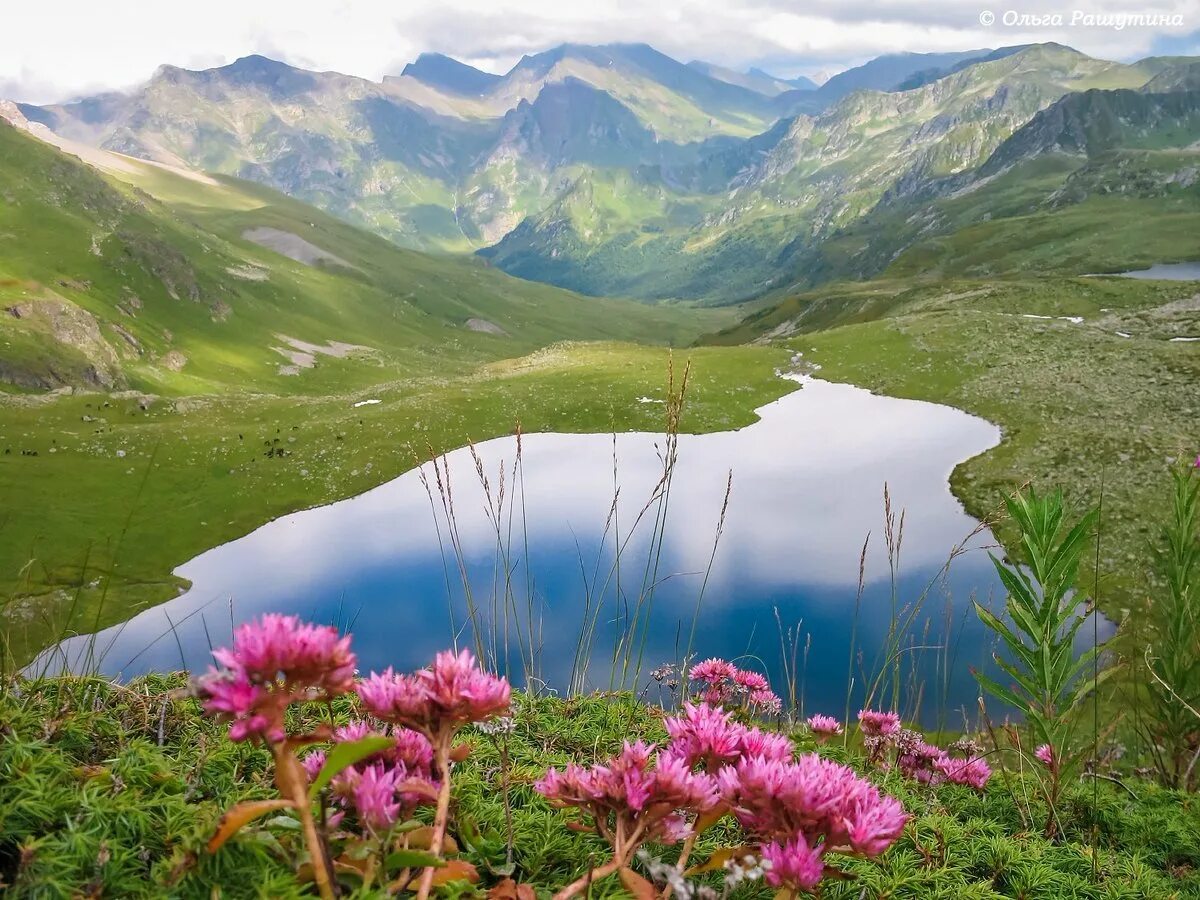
point(1048, 681)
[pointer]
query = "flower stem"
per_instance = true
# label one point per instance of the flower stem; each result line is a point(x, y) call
point(686, 852)
point(587, 878)
point(442, 754)
point(322, 874)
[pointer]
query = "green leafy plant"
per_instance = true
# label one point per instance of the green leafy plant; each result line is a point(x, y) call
point(1171, 719)
point(1048, 681)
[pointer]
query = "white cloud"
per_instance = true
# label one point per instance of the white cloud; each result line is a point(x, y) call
point(53, 50)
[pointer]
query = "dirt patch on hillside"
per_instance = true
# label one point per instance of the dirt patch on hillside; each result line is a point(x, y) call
point(484, 327)
point(293, 247)
point(303, 355)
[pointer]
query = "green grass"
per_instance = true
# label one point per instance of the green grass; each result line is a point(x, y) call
point(113, 791)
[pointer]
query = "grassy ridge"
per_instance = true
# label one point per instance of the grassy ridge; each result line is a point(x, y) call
point(168, 296)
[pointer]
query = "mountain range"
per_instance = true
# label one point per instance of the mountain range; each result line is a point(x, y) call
point(617, 170)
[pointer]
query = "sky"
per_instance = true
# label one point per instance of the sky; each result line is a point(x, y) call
point(58, 49)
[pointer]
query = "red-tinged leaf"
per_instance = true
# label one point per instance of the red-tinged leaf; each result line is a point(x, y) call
point(459, 752)
point(417, 786)
point(637, 885)
point(720, 857)
point(510, 890)
point(581, 826)
point(455, 870)
point(237, 816)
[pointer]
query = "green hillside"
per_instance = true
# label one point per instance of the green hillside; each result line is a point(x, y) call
point(112, 287)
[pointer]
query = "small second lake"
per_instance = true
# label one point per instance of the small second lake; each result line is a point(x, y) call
point(807, 490)
point(1188, 271)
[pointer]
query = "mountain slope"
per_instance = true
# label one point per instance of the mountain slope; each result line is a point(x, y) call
point(443, 73)
point(345, 144)
point(886, 73)
point(759, 207)
point(230, 286)
point(612, 169)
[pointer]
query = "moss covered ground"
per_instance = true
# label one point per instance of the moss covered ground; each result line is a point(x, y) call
point(112, 791)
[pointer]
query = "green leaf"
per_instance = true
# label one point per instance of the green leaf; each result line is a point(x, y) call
point(1000, 692)
point(342, 756)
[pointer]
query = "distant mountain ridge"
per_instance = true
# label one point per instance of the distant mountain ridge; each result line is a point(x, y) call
point(608, 169)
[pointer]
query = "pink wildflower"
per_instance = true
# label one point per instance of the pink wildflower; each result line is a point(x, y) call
point(302, 653)
point(450, 693)
point(973, 772)
point(1045, 753)
point(794, 864)
point(275, 661)
point(812, 796)
point(914, 757)
point(313, 763)
point(750, 681)
point(393, 697)
point(353, 731)
point(712, 671)
point(824, 727)
point(706, 735)
point(766, 702)
point(374, 795)
point(766, 745)
point(715, 696)
point(628, 791)
point(875, 723)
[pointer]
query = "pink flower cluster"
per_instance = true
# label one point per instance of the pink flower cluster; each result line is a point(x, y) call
point(1045, 755)
point(274, 662)
point(793, 864)
point(876, 724)
point(722, 684)
point(972, 771)
point(824, 727)
point(630, 800)
point(917, 759)
point(448, 694)
point(385, 785)
point(814, 797)
point(706, 736)
point(797, 809)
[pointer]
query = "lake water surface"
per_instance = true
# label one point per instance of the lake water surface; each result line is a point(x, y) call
point(807, 490)
point(1188, 271)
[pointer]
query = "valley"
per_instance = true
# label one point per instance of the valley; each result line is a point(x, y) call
point(677, 405)
point(198, 354)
